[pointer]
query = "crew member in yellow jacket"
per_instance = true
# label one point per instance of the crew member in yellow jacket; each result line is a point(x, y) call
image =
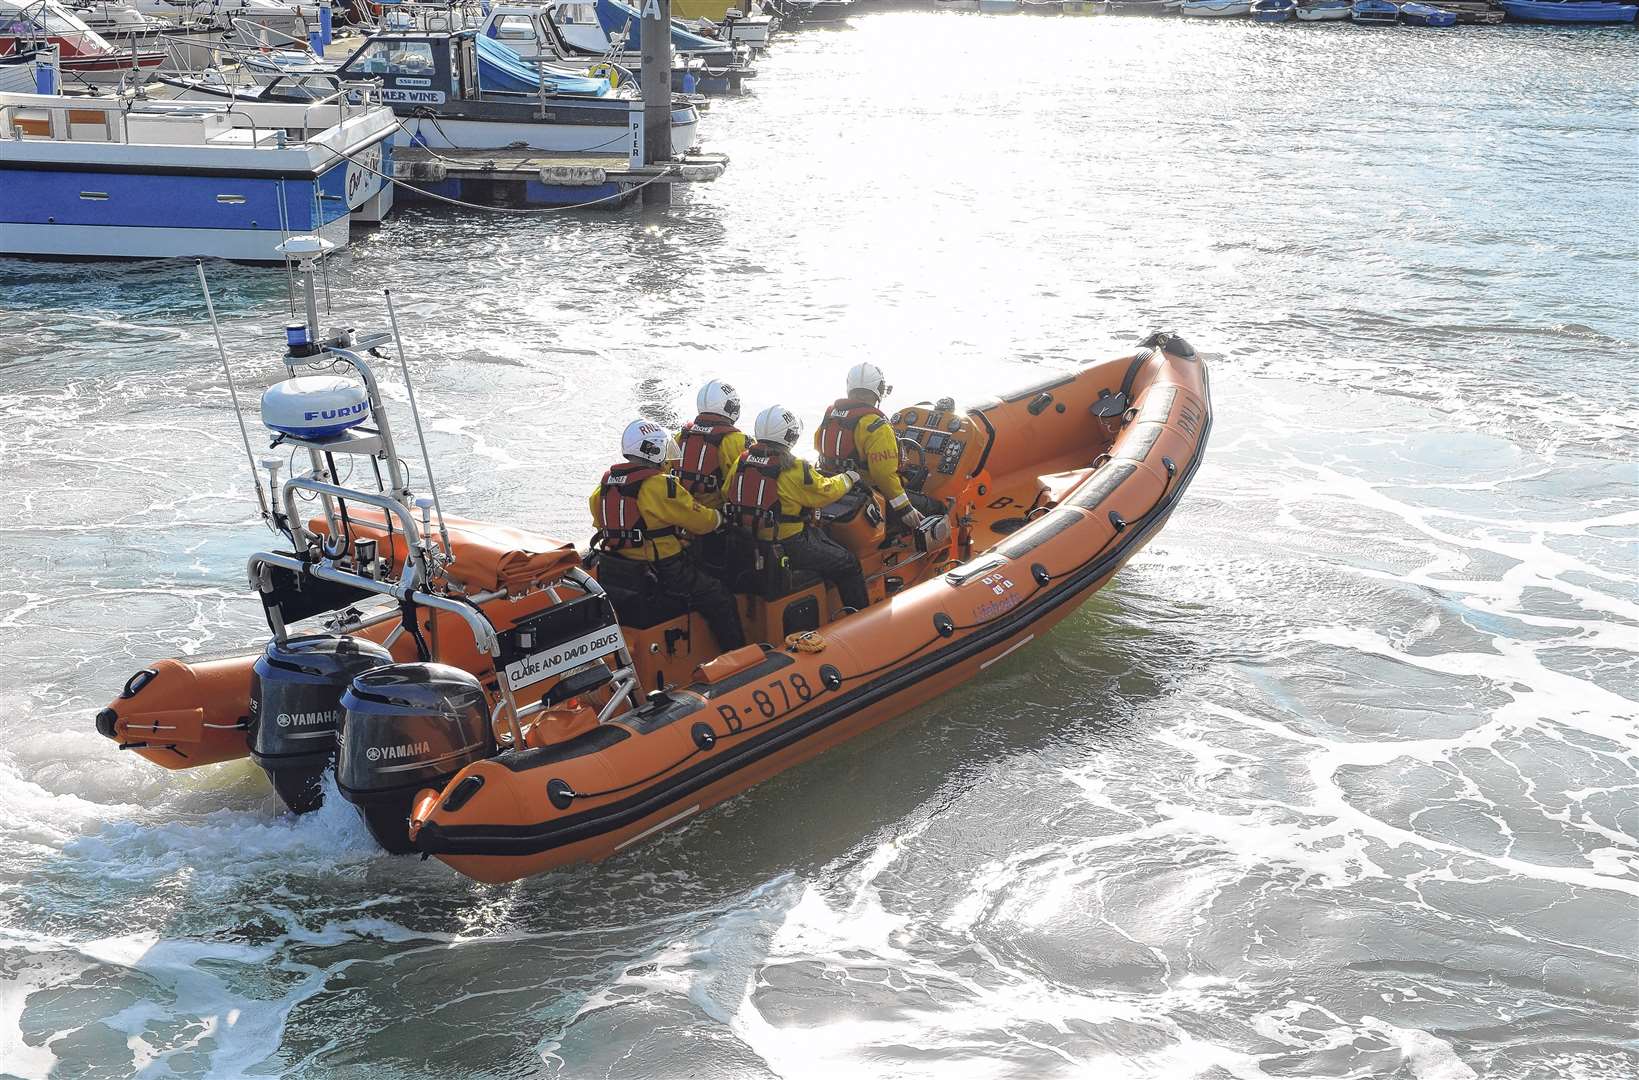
point(710, 445)
point(856, 434)
point(775, 493)
point(645, 520)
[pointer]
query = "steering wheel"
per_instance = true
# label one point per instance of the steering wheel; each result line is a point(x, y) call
point(921, 452)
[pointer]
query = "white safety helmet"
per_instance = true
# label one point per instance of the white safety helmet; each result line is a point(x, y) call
point(645, 440)
point(868, 376)
point(778, 424)
point(719, 399)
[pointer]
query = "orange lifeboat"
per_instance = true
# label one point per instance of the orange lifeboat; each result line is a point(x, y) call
point(1054, 486)
point(506, 717)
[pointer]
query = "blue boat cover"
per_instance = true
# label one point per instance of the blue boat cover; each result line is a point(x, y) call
point(499, 68)
point(614, 15)
point(1571, 12)
point(1422, 14)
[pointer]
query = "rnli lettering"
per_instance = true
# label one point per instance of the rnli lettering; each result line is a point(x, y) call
point(397, 753)
point(307, 719)
point(550, 661)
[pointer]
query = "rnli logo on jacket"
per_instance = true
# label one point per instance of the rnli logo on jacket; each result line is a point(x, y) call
point(336, 414)
point(306, 719)
point(397, 753)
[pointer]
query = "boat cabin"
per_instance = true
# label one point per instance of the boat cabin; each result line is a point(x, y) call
point(417, 67)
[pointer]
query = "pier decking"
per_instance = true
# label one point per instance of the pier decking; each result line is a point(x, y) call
point(524, 177)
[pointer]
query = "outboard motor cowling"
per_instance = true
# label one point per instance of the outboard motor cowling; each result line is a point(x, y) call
point(295, 709)
point(407, 727)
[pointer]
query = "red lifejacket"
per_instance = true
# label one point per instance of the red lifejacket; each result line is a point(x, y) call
point(753, 497)
point(834, 438)
point(701, 467)
point(620, 522)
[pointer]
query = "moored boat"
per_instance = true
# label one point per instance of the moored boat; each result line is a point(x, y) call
point(614, 30)
point(1085, 7)
point(1570, 11)
point(1415, 14)
point(489, 703)
point(1374, 13)
point(1323, 10)
point(418, 73)
point(530, 31)
point(1273, 10)
point(801, 12)
point(84, 56)
point(1215, 9)
point(117, 176)
point(754, 31)
point(188, 45)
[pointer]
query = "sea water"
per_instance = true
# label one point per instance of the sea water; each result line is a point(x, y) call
point(1338, 778)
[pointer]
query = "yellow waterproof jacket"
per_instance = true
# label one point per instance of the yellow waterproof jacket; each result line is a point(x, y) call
point(803, 487)
point(798, 487)
point(878, 448)
point(662, 502)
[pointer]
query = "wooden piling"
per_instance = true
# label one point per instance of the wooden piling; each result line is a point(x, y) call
point(656, 28)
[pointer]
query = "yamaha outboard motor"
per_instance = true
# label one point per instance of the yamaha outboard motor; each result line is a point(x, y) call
point(408, 727)
point(295, 709)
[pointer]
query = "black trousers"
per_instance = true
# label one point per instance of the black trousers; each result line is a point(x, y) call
point(816, 552)
point(678, 576)
point(680, 579)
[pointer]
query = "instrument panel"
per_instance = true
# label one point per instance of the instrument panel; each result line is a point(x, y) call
point(939, 447)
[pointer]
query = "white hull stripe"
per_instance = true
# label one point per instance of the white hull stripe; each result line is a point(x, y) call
point(1009, 651)
point(652, 829)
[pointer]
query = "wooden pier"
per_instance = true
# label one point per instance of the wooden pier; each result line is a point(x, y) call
point(525, 178)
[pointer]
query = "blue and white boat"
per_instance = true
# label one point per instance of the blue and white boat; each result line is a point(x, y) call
point(596, 26)
point(1415, 14)
point(1273, 10)
point(530, 32)
point(1375, 13)
point(439, 84)
point(1570, 11)
point(118, 176)
point(1323, 10)
point(1215, 9)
